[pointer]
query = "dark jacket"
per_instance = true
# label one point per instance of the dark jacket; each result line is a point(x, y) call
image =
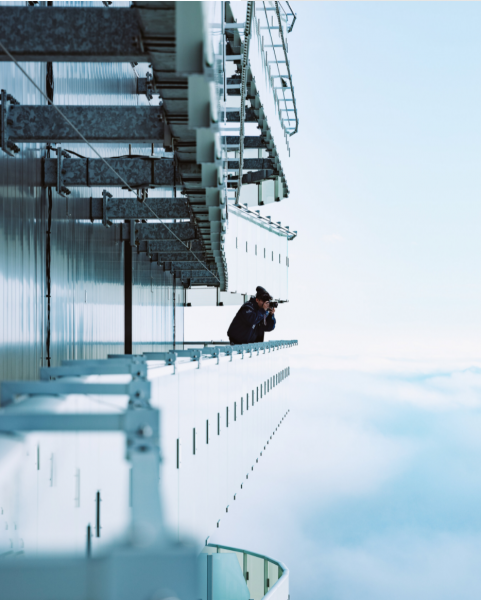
point(250, 324)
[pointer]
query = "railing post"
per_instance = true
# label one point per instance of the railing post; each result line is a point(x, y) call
point(266, 576)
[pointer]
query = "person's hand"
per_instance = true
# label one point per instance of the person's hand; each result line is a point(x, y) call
point(272, 311)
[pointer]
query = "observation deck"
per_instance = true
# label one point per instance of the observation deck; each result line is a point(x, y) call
point(82, 417)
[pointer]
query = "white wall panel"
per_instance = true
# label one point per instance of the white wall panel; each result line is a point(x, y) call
point(49, 481)
point(257, 254)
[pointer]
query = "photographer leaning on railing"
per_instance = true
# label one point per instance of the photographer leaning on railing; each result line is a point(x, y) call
point(253, 319)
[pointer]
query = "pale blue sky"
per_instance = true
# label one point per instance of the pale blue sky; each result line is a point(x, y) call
point(387, 198)
point(373, 488)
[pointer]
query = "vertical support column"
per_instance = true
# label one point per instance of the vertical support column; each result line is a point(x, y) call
point(266, 576)
point(173, 303)
point(49, 89)
point(210, 578)
point(128, 288)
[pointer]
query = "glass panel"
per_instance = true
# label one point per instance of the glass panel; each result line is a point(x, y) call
point(256, 577)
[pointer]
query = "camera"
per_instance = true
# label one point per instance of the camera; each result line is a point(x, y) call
point(273, 304)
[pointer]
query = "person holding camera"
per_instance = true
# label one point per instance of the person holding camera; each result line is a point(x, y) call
point(253, 319)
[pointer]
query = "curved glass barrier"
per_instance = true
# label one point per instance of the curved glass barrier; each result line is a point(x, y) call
point(265, 577)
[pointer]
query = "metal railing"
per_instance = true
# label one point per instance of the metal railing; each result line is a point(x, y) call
point(265, 577)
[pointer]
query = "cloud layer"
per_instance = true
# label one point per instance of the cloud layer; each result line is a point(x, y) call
point(372, 488)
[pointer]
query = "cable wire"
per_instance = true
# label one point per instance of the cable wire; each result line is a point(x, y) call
point(101, 157)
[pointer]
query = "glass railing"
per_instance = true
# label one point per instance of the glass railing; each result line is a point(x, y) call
point(264, 577)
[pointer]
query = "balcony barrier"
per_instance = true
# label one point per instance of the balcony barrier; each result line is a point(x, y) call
point(265, 578)
point(214, 411)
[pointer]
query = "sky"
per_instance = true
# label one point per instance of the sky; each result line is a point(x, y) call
point(373, 487)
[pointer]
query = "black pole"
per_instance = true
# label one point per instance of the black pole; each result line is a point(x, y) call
point(97, 527)
point(173, 305)
point(89, 541)
point(127, 298)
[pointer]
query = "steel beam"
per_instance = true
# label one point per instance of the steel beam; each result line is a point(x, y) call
point(131, 208)
point(174, 249)
point(212, 281)
point(189, 264)
point(250, 141)
point(158, 232)
point(233, 116)
point(197, 273)
point(137, 172)
point(104, 124)
point(164, 257)
point(252, 163)
point(75, 34)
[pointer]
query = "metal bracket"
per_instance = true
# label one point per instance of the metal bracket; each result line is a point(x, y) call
point(216, 350)
point(142, 194)
point(7, 146)
point(105, 196)
point(228, 350)
point(132, 233)
point(138, 389)
point(61, 189)
point(146, 85)
point(71, 368)
point(169, 357)
point(194, 354)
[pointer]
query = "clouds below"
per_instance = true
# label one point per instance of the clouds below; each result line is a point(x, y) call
point(372, 487)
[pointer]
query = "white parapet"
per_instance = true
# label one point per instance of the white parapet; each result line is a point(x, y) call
point(219, 414)
point(257, 253)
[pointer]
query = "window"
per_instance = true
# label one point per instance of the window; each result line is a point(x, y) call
point(178, 453)
point(193, 441)
point(236, 242)
point(256, 249)
point(252, 397)
point(227, 416)
point(257, 393)
point(218, 423)
point(279, 259)
point(264, 252)
point(235, 411)
point(246, 246)
point(273, 256)
point(247, 401)
point(242, 406)
point(207, 431)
